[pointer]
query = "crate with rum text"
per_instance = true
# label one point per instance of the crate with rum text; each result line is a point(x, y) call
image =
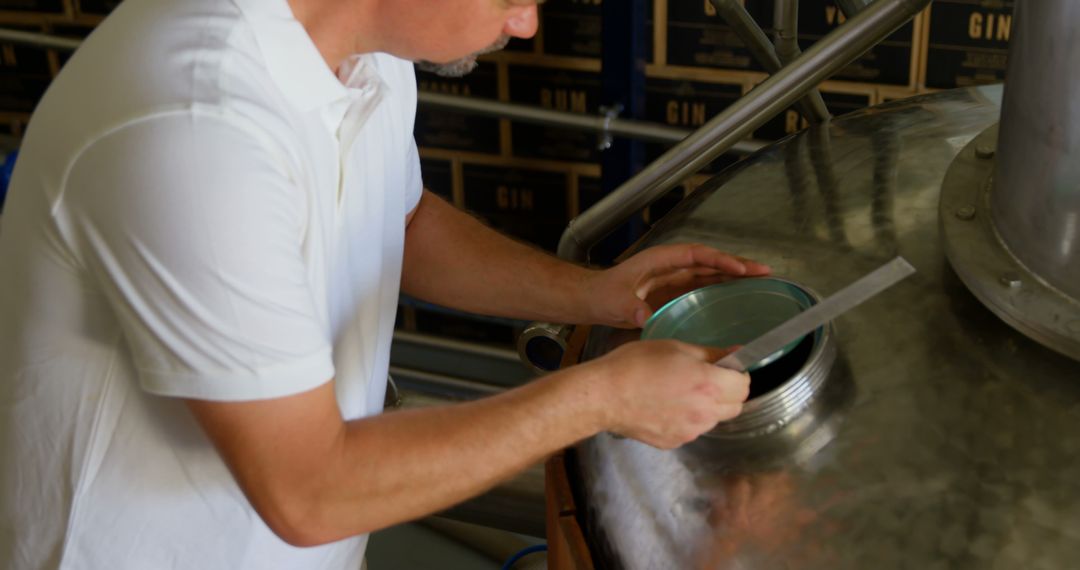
point(791, 121)
point(967, 42)
point(557, 89)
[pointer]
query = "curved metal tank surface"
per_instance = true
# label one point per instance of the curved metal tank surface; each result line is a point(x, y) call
point(942, 438)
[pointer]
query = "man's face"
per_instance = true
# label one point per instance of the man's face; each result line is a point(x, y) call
point(450, 43)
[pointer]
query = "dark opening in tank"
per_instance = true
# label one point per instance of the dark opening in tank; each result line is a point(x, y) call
point(772, 375)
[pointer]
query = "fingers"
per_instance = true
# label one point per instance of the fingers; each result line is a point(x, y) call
point(688, 256)
point(694, 396)
point(732, 391)
point(667, 258)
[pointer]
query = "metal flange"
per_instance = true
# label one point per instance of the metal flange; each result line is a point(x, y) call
point(986, 265)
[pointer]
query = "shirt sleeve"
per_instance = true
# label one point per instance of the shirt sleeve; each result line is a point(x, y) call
point(194, 229)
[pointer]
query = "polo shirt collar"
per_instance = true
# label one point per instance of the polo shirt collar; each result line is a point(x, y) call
point(295, 64)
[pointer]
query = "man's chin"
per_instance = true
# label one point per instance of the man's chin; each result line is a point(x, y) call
point(463, 66)
point(456, 68)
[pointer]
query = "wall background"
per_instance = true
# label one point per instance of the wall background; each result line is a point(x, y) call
point(528, 180)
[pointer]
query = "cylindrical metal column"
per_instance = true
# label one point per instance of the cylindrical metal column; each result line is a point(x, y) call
point(1036, 199)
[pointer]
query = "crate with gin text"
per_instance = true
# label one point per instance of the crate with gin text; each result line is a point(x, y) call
point(688, 105)
point(529, 204)
point(968, 42)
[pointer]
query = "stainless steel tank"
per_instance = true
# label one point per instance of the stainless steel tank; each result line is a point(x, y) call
point(941, 438)
point(942, 431)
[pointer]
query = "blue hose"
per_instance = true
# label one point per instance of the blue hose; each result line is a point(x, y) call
point(5, 175)
point(522, 554)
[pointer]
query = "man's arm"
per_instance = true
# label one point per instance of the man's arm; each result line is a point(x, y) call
point(454, 260)
point(314, 478)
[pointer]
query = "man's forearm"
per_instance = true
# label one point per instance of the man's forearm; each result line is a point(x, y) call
point(409, 464)
point(453, 260)
point(314, 482)
point(314, 478)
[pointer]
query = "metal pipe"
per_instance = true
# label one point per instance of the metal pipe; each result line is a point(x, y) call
point(742, 23)
point(827, 56)
point(441, 385)
point(39, 40)
point(851, 7)
point(430, 341)
point(786, 22)
point(593, 123)
point(1035, 203)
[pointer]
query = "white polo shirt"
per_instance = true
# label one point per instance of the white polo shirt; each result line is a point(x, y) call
point(201, 209)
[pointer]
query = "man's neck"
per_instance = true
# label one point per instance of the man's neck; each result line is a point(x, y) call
point(339, 28)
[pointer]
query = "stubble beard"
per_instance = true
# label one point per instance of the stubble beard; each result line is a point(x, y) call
point(462, 66)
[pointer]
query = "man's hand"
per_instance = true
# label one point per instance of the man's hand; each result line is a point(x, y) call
point(665, 392)
point(624, 296)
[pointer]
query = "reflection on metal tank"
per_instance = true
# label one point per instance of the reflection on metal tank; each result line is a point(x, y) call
point(940, 438)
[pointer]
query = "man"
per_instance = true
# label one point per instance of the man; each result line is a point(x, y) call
point(215, 206)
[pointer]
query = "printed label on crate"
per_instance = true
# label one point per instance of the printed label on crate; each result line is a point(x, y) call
point(438, 177)
point(527, 204)
point(790, 121)
point(968, 42)
point(440, 128)
point(24, 74)
point(689, 105)
point(98, 7)
point(575, 28)
point(55, 6)
point(559, 90)
point(697, 36)
point(888, 62)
